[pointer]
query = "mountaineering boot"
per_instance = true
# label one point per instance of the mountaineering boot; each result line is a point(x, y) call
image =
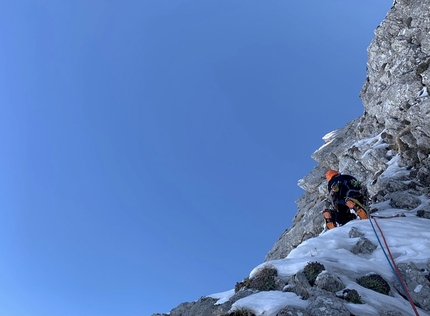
point(328, 220)
point(358, 209)
point(361, 213)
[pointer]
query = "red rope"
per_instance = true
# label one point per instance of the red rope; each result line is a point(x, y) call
point(397, 270)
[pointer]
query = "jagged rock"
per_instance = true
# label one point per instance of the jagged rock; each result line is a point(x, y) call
point(241, 294)
point(293, 311)
point(422, 174)
point(393, 185)
point(363, 246)
point(326, 303)
point(241, 312)
point(416, 282)
point(204, 306)
point(354, 233)
point(403, 200)
point(424, 214)
point(335, 143)
point(312, 181)
point(375, 158)
point(329, 282)
point(299, 285)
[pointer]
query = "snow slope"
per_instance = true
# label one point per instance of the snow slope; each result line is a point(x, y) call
point(409, 241)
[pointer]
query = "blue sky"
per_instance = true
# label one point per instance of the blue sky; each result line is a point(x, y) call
point(151, 149)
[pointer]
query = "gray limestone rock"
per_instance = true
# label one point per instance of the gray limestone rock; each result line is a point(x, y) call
point(312, 181)
point(424, 214)
point(422, 175)
point(292, 311)
point(204, 306)
point(325, 303)
point(404, 200)
point(363, 246)
point(241, 294)
point(355, 233)
point(417, 284)
point(329, 282)
point(299, 285)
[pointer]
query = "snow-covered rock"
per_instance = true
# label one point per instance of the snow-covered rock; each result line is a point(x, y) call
point(388, 148)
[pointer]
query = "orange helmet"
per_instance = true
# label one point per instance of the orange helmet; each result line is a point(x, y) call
point(330, 174)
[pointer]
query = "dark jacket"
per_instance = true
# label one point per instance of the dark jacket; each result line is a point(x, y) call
point(340, 187)
point(343, 186)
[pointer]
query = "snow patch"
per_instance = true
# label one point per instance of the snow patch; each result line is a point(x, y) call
point(222, 296)
point(394, 170)
point(408, 239)
point(269, 303)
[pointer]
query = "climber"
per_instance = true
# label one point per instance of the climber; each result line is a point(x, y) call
point(343, 190)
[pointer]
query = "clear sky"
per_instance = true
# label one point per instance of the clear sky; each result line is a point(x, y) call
point(138, 136)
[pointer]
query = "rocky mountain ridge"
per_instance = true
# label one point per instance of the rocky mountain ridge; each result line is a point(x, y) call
point(396, 119)
point(388, 148)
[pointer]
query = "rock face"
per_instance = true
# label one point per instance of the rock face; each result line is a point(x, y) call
point(388, 149)
point(394, 130)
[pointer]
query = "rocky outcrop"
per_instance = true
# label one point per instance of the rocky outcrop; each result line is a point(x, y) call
point(204, 306)
point(388, 147)
point(417, 283)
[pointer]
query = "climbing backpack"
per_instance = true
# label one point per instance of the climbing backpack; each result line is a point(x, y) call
point(345, 186)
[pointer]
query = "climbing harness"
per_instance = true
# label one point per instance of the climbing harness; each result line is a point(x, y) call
point(389, 257)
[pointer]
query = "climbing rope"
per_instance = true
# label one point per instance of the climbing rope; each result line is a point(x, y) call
point(393, 265)
point(389, 257)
